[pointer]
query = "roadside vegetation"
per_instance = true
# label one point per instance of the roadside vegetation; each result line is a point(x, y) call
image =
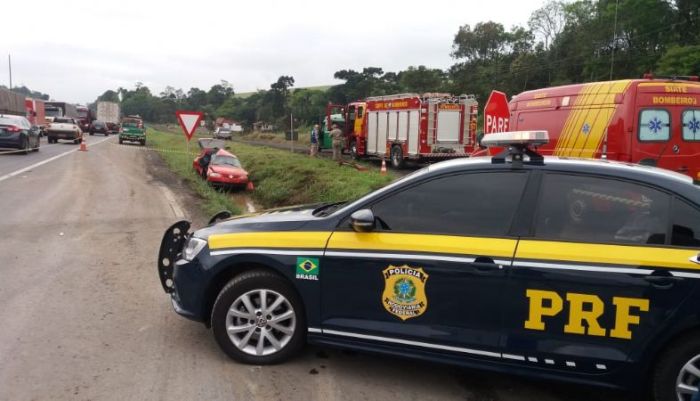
point(281, 178)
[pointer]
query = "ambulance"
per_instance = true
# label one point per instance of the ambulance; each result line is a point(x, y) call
point(651, 121)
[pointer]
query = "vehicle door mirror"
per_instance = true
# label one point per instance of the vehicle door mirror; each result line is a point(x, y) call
point(362, 221)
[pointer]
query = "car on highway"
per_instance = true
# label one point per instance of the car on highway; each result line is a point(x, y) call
point(17, 133)
point(132, 130)
point(579, 270)
point(98, 127)
point(223, 133)
point(64, 128)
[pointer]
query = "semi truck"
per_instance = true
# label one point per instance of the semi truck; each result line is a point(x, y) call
point(652, 121)
point(109, 113)
point(408, 126)
point(60, 109)
point(85, 117)
point(36, 113)
point(12, 103)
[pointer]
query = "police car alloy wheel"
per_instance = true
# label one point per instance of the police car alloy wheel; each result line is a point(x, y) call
point(258, 319)
point(677, 376)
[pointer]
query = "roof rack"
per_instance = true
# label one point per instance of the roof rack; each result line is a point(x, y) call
point(693, 78)
point(517, 146)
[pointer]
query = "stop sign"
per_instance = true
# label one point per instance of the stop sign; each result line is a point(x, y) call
point(496, 113)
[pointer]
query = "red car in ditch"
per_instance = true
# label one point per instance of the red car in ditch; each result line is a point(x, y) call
point(219, 167)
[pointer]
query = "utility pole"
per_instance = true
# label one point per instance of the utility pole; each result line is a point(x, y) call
point(291, 129)
point(9, 62)
point(612, 55)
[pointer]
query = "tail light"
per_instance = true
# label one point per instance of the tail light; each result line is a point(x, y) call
point(12, 128)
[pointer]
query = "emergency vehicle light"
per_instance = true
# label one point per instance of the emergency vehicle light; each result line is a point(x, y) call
point(504, 139)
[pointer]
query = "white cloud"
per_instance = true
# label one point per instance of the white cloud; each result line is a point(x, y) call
point(75, 51)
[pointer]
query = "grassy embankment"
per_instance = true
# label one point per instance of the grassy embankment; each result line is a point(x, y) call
point(281, 178)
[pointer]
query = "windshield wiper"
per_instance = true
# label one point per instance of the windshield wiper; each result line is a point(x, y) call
point(327, 209)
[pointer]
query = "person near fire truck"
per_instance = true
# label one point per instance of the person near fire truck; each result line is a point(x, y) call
point(314, 140)
point(337, 136)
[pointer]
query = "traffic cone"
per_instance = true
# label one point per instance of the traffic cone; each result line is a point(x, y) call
point(83, 146)
point(382, 171)
point(250, 187)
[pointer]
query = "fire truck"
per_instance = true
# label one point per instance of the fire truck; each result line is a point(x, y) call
point(428, 126)
point(653, 121)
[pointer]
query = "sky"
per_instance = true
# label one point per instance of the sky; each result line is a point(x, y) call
point(75, 50)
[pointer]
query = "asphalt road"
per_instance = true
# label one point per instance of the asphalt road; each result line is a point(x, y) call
point(83, 316)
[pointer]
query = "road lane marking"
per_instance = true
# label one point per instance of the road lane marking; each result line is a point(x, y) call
point(172, 202)
point(41, 163)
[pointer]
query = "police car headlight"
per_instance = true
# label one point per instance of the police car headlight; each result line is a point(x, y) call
point(193, 247)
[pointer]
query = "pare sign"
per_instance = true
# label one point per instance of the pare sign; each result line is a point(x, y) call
point(496, 113)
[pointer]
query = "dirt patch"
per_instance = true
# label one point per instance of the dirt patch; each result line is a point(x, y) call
point(187, 198)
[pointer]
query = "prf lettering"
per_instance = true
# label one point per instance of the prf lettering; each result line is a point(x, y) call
point(584, 308)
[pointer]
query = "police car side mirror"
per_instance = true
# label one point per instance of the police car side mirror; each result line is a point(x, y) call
point(362, 221)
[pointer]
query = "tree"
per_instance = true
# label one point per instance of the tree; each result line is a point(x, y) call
point(422, 79)
point(680, 60)
point(547, 22)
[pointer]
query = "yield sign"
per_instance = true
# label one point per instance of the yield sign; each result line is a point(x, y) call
point(189, 121)
point(496, 113)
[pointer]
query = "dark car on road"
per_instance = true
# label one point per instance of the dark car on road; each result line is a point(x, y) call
point(579, 270)
point(16, 132)
point(98, 127)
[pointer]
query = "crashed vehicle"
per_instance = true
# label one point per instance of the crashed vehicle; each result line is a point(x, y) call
point(218, 166)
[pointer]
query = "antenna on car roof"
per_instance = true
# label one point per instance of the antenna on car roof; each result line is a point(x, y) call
point(517, 146)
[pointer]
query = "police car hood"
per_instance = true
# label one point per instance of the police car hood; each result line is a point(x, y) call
point(279, 219)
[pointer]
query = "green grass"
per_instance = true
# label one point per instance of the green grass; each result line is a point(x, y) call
point(281, 178)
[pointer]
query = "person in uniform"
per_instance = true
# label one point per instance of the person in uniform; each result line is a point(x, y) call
point(337, 136)
point(314, 140)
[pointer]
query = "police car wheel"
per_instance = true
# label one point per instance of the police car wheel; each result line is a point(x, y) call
point(258, 319)
point(677, 374)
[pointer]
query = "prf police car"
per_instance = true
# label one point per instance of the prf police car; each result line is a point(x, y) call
point(585, 271)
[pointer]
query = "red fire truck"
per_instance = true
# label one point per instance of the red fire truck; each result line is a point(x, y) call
point(430, 126)
point(650, 121)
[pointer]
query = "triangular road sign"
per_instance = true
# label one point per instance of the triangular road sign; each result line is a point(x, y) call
point(189, 121)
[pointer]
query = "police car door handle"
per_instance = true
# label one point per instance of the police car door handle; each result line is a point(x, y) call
point(662, 279)
point(486, 264)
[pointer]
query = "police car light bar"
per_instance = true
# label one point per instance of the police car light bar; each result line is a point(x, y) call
point(515, 138)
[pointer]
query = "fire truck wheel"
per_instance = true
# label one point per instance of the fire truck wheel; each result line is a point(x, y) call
point(397, 160)
point(353, 150)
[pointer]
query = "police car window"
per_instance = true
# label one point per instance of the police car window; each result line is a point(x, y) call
point(691, 125)
point(480, 204)
point(654, 125)
point(686, 225)
point(591, 209)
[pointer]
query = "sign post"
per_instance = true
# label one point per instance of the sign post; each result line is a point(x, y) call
point(189, 121)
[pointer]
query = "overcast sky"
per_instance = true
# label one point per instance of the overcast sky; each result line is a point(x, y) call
point(75, 50)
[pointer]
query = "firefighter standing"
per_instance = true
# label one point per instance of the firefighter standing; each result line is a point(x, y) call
point(314, 140)
point(337, 136)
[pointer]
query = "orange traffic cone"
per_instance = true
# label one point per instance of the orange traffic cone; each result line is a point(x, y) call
point(382, 171)
point(250, 186)
point(83, 146)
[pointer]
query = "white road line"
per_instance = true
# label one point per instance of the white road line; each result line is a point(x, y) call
point(172, 202)
point(41, 163)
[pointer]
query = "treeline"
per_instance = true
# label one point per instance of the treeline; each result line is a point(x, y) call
point(28, 92)
point(563, 42)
